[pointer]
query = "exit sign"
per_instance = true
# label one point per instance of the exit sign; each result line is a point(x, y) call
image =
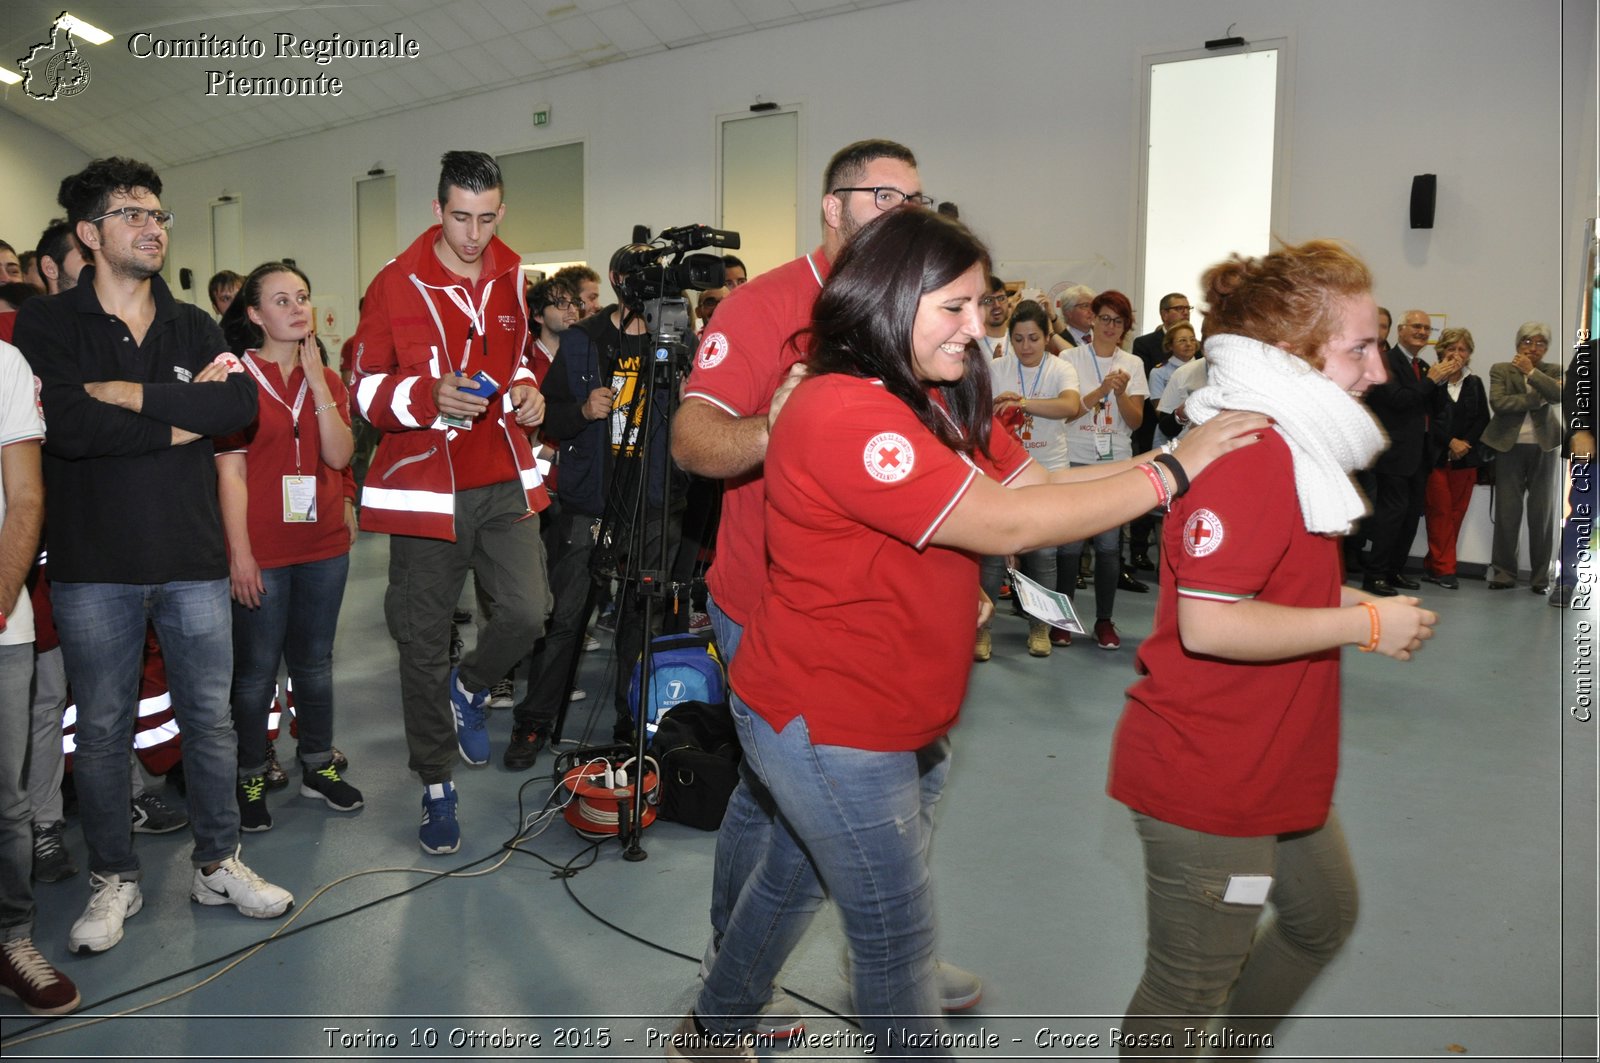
point(541, 117)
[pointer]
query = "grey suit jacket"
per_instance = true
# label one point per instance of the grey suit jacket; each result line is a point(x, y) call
point(1511, 395)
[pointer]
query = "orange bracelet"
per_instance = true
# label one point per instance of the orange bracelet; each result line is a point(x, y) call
point(1377, 627)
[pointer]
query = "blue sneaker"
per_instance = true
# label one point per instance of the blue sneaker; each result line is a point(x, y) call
point(468, 711)
point(440, 833)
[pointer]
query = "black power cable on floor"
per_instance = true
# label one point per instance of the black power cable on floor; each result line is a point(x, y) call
point(564, 872)
point(566, 882)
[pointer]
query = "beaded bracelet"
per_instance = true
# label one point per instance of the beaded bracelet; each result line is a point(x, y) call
point(1179, 477)
point(1377, 627)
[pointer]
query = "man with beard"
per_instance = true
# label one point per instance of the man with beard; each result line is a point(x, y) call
point(134, 386)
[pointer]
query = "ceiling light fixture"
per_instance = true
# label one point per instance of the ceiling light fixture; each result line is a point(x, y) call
point(9, 77)
point(79, 28)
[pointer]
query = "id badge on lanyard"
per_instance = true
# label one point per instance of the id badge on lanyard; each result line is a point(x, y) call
point(299, 499)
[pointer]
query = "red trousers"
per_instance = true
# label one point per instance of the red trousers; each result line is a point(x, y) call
point(1449, 493)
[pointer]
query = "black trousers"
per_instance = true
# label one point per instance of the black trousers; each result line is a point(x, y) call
point(1393, 526)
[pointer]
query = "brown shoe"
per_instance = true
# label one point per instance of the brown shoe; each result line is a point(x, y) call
point(30, 978)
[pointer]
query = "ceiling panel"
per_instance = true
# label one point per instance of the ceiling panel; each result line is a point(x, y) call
point(716, 17)
point(156, 107)
point(625, 30)
point(514, 15)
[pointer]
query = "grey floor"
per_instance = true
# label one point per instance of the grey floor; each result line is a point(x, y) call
point(1467, 791)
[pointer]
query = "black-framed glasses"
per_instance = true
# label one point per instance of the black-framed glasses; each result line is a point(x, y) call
point(137, 217)
point(1109, 321)
point(564, 304)
point(886, 198)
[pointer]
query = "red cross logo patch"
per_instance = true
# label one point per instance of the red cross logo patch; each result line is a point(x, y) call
point(1202, 533)
point(713, 349)
point(889, 457)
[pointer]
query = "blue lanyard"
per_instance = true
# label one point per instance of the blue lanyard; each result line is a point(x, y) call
point(1037, 374)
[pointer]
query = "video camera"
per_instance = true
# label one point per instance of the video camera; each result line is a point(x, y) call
point(641, 271)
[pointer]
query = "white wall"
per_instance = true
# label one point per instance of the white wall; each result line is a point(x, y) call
point(33, 161)
point(1027, 115)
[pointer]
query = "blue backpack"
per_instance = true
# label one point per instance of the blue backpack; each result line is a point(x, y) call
point(682, 668)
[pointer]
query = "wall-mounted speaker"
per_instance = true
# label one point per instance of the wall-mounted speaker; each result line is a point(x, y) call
point(1424, 189)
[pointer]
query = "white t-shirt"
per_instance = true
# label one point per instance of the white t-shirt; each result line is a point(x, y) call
point(1183, 383)
point(994, 346)
point(19, 422)
point(1044, 438)
point(1104, 419)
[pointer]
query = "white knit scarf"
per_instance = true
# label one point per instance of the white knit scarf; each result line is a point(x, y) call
point(1330, 434)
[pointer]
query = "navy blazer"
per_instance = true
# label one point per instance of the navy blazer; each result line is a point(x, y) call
point(1403, 404)
point(1148, 349)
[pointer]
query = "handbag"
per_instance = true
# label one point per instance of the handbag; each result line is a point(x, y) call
point(1486, 455)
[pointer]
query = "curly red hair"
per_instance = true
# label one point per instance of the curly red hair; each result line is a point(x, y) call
point(1287, 298)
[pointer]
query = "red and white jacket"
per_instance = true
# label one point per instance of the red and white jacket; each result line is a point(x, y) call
point(416, 325)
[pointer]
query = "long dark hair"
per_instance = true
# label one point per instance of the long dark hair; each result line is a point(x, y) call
point(241, 333)
point(863, 319)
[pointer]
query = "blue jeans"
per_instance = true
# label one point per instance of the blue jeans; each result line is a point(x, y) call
point(1037, 565)
point(295, 623)
point(1107, 566)
point(747, 824)
point(16, 811)
point(856, 823)
point(102, 628)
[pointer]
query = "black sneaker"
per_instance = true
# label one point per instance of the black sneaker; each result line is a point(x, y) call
point(1128, 582)
point(326, 784)
point(275, 776)
point(253, 814)
point(51, 861)
point(523, 750)
point(151, 815)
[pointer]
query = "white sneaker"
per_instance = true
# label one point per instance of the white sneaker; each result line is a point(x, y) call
point(780, 1020)
point(590, 643)
point(112, 899)
point(688, 1043)
point(501, 695)
point(233, 883)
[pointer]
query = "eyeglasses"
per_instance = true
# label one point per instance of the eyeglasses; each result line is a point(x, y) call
point(1180, 309)
point(562, 304)
point(1533, 341)
point(136, 217)
point(1107, 319)
point(991, 301)
point(885, 198)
